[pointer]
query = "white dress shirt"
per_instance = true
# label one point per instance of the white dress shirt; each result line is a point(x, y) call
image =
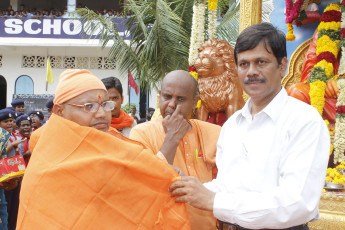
point(271, 168)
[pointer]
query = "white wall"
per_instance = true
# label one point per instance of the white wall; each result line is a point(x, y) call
point(12, 68)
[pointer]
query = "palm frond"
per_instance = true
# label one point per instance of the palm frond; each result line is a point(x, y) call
point(228, 28)
point(168, 46)
point(120, 51)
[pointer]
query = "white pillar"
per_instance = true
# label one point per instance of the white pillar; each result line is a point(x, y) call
point(71, 5)
point(14, 4)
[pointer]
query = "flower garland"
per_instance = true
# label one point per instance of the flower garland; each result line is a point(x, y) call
point(198, 32)
point(212, 18)
point(339, 136)
point(212, 23)
point(327, 51)
point(292, 12)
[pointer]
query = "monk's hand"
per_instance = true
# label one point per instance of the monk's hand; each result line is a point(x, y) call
point(331, 90)
point(190, 190)
point(175, 127)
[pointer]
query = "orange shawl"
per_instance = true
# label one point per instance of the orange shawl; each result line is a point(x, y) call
point(82, 178)
point(124, 120)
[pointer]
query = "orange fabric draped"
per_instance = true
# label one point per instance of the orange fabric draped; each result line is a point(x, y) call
point(82, 178)
point(124, 120)
point(195, 156)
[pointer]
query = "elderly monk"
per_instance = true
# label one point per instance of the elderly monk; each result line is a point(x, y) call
point(81, 177)
point(186, 143)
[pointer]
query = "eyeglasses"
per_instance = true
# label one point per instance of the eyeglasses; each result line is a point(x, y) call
point(94, 106)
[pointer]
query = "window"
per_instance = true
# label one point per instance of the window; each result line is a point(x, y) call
point(24, 85)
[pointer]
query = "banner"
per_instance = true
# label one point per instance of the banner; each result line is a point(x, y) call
point(63, 28)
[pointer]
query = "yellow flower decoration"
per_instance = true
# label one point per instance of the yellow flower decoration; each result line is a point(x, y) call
point(198, 105)
point(290, 36)
point(332, 7)
point(194, 74)
point(331, 150)
point(317, 95)
point(329, 25)
point(212, 4)
point(326, 121)
point(325, 44)
point(327, 66)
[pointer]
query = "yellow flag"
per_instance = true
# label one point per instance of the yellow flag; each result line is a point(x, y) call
point(50, 76)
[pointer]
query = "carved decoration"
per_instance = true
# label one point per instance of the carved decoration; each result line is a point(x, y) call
point(332, 213)
point(250, 13)
point(218, 81)
point(296, 64)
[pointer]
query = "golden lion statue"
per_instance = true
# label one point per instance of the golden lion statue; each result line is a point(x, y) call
point(218, 81)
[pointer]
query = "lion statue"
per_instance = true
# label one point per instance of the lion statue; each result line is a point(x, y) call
point(218, 81)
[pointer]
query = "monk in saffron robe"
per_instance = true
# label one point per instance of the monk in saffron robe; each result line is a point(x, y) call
point(185, 143)
point(81, 177)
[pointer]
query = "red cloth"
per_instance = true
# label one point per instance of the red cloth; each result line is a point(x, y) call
point(217, 118)
point(124, 120)
point(132, 83)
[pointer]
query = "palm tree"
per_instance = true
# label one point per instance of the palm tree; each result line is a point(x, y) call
point(160, 31)
point(160, 35)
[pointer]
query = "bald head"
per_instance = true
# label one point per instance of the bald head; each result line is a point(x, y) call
point(184, 77)
point(179, 88)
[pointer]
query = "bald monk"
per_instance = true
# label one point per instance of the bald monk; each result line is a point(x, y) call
point(81, 177)
point(183, 142)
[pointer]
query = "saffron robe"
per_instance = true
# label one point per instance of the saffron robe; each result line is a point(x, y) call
point(82, 178)
point(195, 155)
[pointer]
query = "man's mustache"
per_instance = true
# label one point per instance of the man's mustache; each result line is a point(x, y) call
point(254, 79)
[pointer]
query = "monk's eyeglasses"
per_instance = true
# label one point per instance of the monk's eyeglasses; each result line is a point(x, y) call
point(94, 106)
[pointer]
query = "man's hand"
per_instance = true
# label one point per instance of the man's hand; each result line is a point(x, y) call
point(190, 190)
point(175, 127)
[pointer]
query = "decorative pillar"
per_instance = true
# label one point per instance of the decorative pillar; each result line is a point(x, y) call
point(71, 5)
point(14, 4)
point(250, 13)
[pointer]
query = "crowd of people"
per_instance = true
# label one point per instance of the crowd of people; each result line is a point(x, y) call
point(37, 13)
point(92, 167)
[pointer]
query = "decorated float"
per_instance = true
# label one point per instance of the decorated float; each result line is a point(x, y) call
point(316, 76)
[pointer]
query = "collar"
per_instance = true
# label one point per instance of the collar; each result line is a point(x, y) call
point(272, 110)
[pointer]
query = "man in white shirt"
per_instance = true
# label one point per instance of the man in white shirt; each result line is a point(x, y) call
point(272, 155)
